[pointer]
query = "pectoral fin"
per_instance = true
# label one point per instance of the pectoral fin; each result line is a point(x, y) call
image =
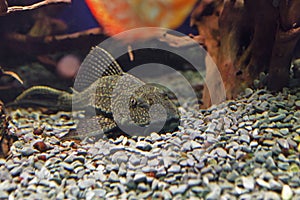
point(95, 126)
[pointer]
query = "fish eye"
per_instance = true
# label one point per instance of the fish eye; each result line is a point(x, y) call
point(133, 102)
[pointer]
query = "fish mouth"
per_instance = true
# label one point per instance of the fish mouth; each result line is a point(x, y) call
point(171, 124)
point(159, 126)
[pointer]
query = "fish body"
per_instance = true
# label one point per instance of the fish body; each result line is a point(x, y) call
point(112, 100)
point(120, 15)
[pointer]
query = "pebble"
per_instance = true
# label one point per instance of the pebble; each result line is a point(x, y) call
point(248, 182)
point(277, 118)
point(215, 193)
point(113, 177)
point(27, 151)
point(134, 160)
point(178, 189)
point(221, 152)
point(16, 171)
point(263, 183)
point(286, 192)
point(271, 195)
point(232, 176)
point(143, 146)
point(119, 157)
point(67, 166)
point(242, 149)
point(244, 138)
point(140, 177)
point(174, 169)
point(275, 185)
point(3, 194)
point(195, 145)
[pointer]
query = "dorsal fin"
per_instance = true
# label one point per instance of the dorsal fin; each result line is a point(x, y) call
point(98, 63)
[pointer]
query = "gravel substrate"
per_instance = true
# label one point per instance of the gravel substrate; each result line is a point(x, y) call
point(243, 149)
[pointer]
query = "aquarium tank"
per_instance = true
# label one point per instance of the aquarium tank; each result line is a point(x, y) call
point(160, 99)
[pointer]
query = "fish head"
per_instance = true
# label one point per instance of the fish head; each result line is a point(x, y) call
point(151, 102)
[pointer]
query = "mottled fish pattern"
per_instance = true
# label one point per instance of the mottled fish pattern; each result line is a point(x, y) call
point(107, 97)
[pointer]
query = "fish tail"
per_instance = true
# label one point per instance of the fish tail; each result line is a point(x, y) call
point(46, 97)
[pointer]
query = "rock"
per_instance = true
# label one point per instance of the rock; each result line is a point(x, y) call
point(134, 160)
point(248, 182)
point(263, 183)
point(27, 151)
point(248, 92)
point(277, 118)
point(221, 152)
point(113, 177)
point(119, 157)
point(275, 185)
point(244, 138)
point(286, 192)
point(231, 176)
point(195, 145)
point(145, 146)
point(215, 192)
point(271, 195)
point(270, 163)
point(16, 171)
point(3, 194)
point(174, 169)
point(283, 143)
point(140, 177)
point(178, 189)
point(67, 166)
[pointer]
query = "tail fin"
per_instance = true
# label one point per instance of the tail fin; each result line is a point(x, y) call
point(44, 96)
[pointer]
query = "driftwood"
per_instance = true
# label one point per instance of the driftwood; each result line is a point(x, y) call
point(246, 38)
point(5, 9)
point(25, 44)
point(36, 33)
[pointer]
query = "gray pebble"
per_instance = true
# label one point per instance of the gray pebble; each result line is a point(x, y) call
point(263, 183)
point(3, 194)
point(145, 146)
point(134, 160)
point(248, 182)
point(174, 169)
point(195, 145)
point(113, 177)
point(277, 118)
point(286, 192)
point(119, 157)
point(67, 166)
point(283, 143)
point(27, 151)
point(244, 138)
point(140, 177)
point(275, 185)
point(215, 193)
point(99, 192)
point(232, 176)
point(180, 189)
point(283, 165)
point(16, 171)
point(143, 187)
point(221, 152)
point(270, 163)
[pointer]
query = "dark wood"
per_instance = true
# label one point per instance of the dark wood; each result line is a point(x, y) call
point(250, 37)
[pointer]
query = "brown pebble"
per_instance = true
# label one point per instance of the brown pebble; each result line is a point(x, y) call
point(41, 146)
point(38, 131)
point(42, 157)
